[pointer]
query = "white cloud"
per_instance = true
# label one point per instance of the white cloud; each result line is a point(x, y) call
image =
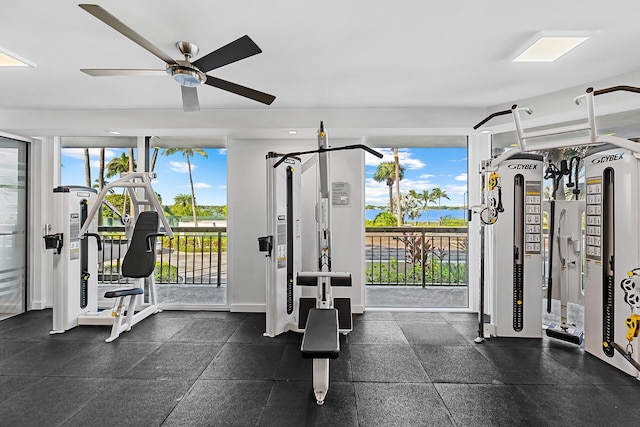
point(201, 185)
point(404, 156)
point(377, 193)
point(94, 154)
point(222, 151)
point(180, 167)
point(464, 159)
point(462, 177)
point(426, 176)
point(455, 189)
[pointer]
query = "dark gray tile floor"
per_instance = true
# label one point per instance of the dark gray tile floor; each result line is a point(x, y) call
point(216, 369)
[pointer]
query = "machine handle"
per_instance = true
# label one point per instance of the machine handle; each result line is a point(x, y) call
point(98, 239)
point(614, 89)
point(325, 150)
point(496, 114)
point(151, 236)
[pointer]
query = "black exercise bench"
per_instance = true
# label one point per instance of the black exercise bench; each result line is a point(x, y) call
point(321, 339)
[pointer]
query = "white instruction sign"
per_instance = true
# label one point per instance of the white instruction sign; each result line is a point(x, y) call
point(339, 193)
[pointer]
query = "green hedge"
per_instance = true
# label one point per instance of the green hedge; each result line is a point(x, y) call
point(436, 273)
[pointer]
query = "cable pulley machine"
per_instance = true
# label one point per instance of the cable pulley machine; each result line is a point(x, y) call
point(323, 317)
point(611, 234)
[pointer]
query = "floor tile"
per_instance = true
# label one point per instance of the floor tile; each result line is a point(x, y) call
point(155, 329)
point(376, 332)
point(45, 357)
point(374, 316)
point(292, 403)
point(107, 360)
point(205, 330)
point(459, 364)
point(252, 330)
point(245, 361)
point(132, 402)
point(405, 316)
point(386, 363)
point(175, 360)
point(589, 367)
point(490, 405)
point(388, 404)
point(50, 402)
point(222, 403)
point(432, 333)
point(526, 365)
point(10, 385)
point(582, 405)
point(294, 367)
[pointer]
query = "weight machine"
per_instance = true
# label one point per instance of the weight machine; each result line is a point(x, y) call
point(323, 317)
point(75, 288)
point(612, 231)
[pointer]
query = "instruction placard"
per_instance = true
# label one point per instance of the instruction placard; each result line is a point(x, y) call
point(339, 193)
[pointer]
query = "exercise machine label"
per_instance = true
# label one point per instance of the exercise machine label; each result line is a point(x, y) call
point(533, 212)
point(594, 218)
point(281, 239)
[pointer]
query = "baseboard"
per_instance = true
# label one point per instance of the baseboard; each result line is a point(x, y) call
point(38, 305)
point(248, 308)
point(194, 307)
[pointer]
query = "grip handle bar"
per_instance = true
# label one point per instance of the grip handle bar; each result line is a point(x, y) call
point(614, 89)
point(496, 114)
point(324, 150)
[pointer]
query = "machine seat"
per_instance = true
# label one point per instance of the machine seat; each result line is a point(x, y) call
point(321, 339)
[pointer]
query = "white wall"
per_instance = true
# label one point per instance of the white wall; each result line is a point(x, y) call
point(42, 172)
point(246, 201)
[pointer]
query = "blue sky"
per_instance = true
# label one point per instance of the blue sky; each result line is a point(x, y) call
point(425, 168)
point(209, 174)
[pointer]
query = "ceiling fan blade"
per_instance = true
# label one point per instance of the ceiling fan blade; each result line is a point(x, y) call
point(265, 98)
point(117, 25)
point(94, 72)
point(190, 99)
point(239, 49)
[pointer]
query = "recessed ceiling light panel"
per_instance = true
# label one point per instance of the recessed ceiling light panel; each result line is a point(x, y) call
point(547, 47)
point(9, 59)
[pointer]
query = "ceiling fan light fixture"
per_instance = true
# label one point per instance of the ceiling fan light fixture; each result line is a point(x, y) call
point(186, 74)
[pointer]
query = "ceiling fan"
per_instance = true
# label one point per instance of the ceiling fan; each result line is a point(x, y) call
point(189, 74)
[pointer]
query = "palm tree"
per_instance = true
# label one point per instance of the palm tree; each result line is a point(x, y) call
point(188, 153)
point(386, 172)
point(87, 167)
point(182, 199)
point(118, 165)
point(425, 198)
point(154, 157)
point(396, 162)
point(438, 193)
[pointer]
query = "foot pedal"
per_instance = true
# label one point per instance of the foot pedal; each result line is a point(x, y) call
point(343, 305)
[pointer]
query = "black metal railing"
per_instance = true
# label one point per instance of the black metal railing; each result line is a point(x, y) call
point(416, 256)
point(196, 255)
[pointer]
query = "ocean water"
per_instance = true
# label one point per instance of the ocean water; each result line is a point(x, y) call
point(433, 214)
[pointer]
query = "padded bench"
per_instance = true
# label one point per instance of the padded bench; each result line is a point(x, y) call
point(321, 339)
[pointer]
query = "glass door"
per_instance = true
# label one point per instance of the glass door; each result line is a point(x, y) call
point(13, 221)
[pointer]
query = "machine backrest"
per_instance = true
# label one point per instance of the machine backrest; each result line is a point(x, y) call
point(137, 261)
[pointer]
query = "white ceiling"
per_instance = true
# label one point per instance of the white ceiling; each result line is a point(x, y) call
point(407, 67)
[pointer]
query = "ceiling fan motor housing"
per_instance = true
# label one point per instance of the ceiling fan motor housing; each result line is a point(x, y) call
point(186, 74)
